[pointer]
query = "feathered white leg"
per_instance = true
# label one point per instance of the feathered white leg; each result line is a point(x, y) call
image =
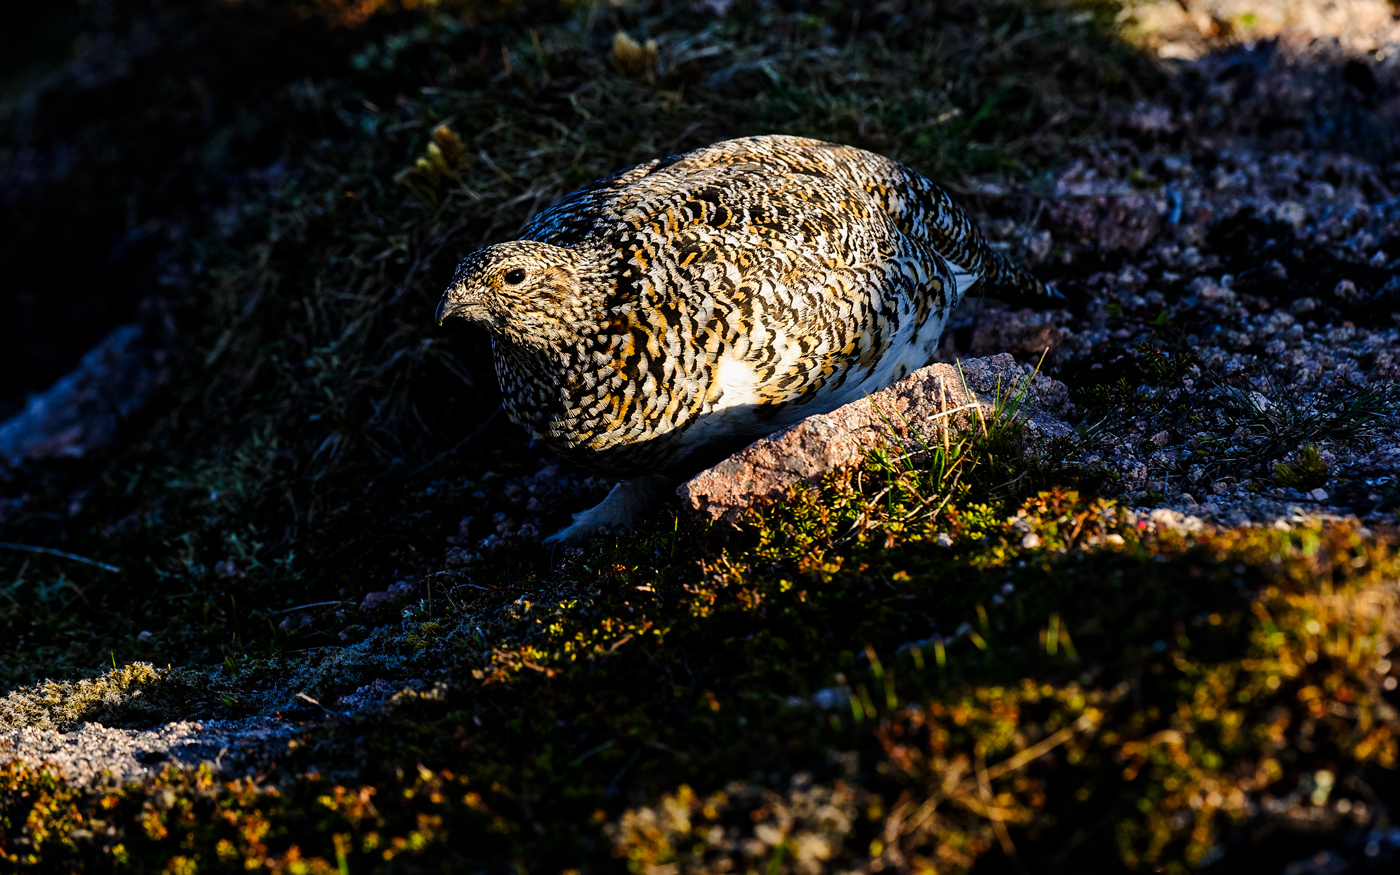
point(625, 505)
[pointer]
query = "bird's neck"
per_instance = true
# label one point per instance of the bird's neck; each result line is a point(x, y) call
point(524, 352)
point(530, 376)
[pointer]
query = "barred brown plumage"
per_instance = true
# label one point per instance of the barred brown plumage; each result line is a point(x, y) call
point(676, 310)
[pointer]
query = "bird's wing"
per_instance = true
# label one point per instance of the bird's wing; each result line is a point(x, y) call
point(794, 283)
point(761, 181)
point(926, 212)
point(798, 312)
point(858, 327)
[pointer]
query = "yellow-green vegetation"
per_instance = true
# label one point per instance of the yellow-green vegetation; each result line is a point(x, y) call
point(928, 666)
point(132, 694)
point(38, 813)
point(1308, 472)
point(847, 693)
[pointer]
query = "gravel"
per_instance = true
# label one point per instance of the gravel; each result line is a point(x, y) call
point(1232, 259)
point(97, 755)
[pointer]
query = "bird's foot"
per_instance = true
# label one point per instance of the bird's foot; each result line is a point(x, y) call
point(624, 507)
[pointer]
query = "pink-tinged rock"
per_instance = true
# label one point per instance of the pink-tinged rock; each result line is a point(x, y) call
point(1028, 333)
point(907, 417)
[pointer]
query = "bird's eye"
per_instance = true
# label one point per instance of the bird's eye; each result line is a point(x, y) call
point(515, 276)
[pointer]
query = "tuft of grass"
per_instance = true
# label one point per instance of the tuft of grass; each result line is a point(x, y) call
point(1281, 424)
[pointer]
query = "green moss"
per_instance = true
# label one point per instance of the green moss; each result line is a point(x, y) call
point(1156, 682)
point(134, 694)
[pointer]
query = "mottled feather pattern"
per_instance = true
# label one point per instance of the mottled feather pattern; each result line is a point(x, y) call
point(683, 306)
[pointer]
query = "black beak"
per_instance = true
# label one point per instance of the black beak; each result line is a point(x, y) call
point(444, 309)
point(450, 306)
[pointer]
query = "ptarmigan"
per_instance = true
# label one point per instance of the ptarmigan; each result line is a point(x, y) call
point(668, 314)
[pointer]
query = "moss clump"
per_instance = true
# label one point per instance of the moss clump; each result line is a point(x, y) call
point(1308, 472)
point(136, 694)
point(1249, 703)
point(312, 827)
point(183, 821)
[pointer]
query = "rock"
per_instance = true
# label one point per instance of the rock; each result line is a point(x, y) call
point(81, 412)
point(1164, 519)
point(1106, 215)
point(906, 417)
point(395, 593)
point(292, 622)
point(1000, 376)
point(381, 692)
point(460, 557)
point(1346, 290)
point(1029, 333)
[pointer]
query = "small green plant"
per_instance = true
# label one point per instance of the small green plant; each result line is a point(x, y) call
point(1308, 472)
point(1160, 368)
point(982, 459)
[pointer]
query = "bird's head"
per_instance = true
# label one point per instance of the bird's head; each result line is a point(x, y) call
point(523, 291)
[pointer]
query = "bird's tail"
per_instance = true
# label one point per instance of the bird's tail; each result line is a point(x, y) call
point(1007, 280)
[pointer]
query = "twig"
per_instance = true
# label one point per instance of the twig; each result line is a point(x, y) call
point(612, 785)
point(993, 812)
point(307, 698)
point(7, 545)
point(956, 785)
point(591, 751)
point(1040, 748)
point(312, 605)
point(973, 406)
